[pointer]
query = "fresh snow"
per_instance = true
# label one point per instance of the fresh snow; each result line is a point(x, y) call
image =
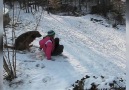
point(91, 48)
point(5, 10)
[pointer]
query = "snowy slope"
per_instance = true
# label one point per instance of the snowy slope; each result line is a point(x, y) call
point(92, 48)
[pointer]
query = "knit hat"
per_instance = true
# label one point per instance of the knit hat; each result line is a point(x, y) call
point(50, 33)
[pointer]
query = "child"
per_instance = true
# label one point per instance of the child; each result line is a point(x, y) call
point(50, 45)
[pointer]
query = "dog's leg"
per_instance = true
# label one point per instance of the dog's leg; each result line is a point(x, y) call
point(28, 47)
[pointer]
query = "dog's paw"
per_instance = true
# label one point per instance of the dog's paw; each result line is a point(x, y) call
point(30, 45)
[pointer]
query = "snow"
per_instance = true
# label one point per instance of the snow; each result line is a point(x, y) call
point(123, 0)
point(127, 51)
point(92, 48)
point(5, 10)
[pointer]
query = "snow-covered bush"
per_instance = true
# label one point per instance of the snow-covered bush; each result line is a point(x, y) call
point(99, 83)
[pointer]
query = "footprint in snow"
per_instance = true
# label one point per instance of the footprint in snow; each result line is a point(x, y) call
point(46, 79)
point(42, 65)
point(37, 65)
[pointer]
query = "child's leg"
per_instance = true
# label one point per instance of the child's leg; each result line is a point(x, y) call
point(58, 50)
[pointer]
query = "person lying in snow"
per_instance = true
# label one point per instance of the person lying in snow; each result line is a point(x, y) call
point(50, 45)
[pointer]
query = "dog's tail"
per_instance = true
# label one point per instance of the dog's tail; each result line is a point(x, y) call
point(6, 46)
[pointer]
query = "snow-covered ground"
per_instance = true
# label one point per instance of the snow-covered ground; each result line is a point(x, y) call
point(91, 48)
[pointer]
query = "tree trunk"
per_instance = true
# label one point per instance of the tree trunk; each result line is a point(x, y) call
point(9, 71)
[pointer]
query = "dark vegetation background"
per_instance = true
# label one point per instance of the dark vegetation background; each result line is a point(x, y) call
point(112, 10)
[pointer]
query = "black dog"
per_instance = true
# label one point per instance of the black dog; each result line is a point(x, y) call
point(23, 41)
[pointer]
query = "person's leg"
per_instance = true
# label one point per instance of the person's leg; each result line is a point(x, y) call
point(56, 42)
point(58, 50)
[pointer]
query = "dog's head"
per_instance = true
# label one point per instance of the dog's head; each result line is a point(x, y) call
point(36, 34)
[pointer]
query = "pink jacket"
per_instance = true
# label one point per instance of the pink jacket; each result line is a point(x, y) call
point(47, 45)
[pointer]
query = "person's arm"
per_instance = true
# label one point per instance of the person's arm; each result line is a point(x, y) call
point(49, 50)
point(40, 44)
